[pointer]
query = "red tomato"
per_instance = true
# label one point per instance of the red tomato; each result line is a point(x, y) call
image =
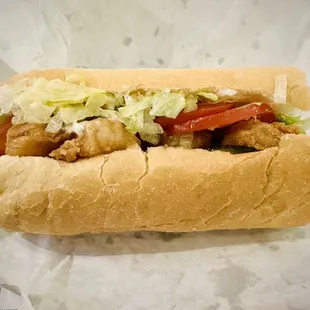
point(225, 118)
point(5, 124)
point(202, 110)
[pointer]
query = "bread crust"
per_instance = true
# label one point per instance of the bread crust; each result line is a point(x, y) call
point(165, 189)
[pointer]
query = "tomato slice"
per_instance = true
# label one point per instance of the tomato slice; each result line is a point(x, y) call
point(203, 109)
point(225, 118)
point(5, 125)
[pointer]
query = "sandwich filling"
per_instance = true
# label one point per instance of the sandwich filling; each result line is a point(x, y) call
point(66, 120)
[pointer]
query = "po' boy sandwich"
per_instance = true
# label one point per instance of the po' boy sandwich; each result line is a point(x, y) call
point(92, 151)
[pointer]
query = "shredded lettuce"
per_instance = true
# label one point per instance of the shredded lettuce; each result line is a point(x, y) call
point(150, 131)
point(95, 101)
point(58, 92)
point(287, 119)
point(132, 113)
point(293, 116)
point(35, 111)
point(71, 114)
point(137, 118)
point(54, 102)
point(190, 103)
point(210, 96)
point(167, 104)
point(98, 100)
point(109, 114)
point(135, 122)
point(55, 124)
point(133, 107)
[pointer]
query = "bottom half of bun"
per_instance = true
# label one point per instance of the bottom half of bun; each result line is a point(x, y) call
point(165, 189)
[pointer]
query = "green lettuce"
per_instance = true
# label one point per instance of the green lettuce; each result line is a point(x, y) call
point(137, 118)
point(71, 114)
point(54, 102)
point(133, 107)
point(288, 119)
point(106, 100)
point(167, 104)
point(150, 131)
point(293, 116)
point(210, 96)
point(190, 103)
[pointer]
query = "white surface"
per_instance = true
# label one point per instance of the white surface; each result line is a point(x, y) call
point(214, 270)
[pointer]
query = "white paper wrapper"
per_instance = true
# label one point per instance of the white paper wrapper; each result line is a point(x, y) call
point(256, 270)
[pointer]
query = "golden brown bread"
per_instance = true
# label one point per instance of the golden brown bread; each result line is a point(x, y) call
point(165, 189)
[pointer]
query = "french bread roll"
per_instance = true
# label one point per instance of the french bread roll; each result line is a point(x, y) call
point(164, 189)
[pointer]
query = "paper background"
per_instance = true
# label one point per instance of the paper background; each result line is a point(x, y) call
point(214, 270)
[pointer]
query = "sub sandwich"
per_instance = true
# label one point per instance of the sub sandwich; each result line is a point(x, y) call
point(92, 151)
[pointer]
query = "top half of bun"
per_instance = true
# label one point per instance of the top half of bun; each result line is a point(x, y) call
point(250, 82)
